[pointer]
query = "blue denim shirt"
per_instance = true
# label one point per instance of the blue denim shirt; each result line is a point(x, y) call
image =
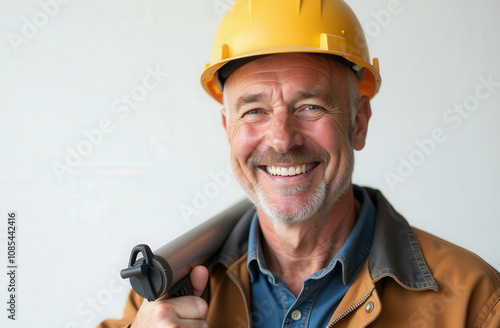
point(274, 305)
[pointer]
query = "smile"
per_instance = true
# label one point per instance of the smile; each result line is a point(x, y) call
point(290, 171)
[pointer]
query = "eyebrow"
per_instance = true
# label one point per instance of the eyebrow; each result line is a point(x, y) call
point(328, 97)
point(247, 100)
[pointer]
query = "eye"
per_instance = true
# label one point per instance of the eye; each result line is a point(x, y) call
point(254, 111)
point(313, 107)
point(310, 112)
point(254, 115)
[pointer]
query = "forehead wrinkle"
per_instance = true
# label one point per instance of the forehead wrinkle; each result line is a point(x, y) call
point(314, 88)
point(265, 90)
point(325, 83)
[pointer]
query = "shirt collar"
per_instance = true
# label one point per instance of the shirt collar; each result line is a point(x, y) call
point(352, 254)
point(256, 261)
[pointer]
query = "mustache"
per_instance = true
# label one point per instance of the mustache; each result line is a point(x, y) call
point(298, 155)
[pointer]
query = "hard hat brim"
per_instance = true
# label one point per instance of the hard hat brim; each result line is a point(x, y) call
point(369, 85)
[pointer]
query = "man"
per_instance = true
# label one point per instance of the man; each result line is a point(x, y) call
point(296, 82)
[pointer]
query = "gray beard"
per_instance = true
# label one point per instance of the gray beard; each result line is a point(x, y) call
point(299, 213)
point(320, 203)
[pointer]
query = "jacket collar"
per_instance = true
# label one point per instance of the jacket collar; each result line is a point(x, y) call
point(236, 244)
point(395, 251)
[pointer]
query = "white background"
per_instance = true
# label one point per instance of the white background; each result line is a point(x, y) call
point(65, 76)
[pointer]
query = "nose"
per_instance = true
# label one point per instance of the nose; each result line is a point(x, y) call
point(284, 132)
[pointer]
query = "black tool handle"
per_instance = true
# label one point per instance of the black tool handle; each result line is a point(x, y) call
point(150, 276)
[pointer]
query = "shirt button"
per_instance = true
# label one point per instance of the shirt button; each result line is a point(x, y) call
point(296, 315)
point(369, 307)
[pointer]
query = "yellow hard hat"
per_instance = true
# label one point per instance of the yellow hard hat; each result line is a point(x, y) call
point(253, 28)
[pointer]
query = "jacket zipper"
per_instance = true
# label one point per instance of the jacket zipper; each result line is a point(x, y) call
point(242, 291)
point(350, 309)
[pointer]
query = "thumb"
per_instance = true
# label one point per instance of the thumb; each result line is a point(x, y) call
point(199, 279)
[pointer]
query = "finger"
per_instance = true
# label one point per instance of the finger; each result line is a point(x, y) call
point(185, 311)
point(199, 279)
point(189, 324)
point(184, 307)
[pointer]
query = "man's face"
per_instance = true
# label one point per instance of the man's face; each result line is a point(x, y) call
point(289, 126)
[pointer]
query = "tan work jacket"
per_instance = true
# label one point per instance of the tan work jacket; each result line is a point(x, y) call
point(411, 279)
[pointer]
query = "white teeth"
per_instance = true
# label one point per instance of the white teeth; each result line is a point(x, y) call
point(284, 172)
point(297, 170)
point(269, 170)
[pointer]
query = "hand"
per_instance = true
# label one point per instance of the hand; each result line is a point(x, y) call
point(179, 312)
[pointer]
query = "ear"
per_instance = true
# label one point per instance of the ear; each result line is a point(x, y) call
point(225, 123)
point(363, 114)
